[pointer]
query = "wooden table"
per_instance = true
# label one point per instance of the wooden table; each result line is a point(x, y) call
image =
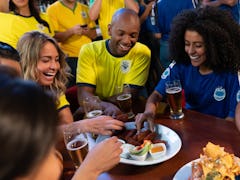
point(195, 131)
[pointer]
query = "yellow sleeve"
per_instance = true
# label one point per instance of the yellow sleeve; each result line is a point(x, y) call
point(62, 102)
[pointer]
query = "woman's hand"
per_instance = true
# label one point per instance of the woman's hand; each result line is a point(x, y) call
point(141, 117)
point(100, 158)
point(100, 125)
point(150, 111)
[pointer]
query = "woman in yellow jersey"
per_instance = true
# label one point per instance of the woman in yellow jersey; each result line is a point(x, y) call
point(44, 62)
point(12, 27)
point(29, 12)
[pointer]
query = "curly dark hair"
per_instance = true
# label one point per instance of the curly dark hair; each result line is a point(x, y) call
point(221, 35)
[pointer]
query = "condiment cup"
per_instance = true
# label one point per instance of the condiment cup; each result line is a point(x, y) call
point(157, 150)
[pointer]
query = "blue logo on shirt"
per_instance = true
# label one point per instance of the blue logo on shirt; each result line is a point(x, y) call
point(219, 94)
point(166, 73)
point(125, 66)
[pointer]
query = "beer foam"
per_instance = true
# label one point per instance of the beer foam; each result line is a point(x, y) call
point(124, 97)
point(69, 145)
point(94, 113)
point(173, 90)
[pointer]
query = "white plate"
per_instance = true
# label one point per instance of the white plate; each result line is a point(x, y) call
point(174, 144)
point(184, 172)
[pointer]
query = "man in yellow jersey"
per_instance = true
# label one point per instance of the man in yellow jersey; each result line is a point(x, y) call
point(103, 10)
point(104, 65)
point(73, 28)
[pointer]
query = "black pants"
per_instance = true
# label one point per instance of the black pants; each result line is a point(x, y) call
point(72, 63)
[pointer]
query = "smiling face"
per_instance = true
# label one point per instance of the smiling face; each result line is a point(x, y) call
point(195, 48)
point(48, 64)
point(124, 31)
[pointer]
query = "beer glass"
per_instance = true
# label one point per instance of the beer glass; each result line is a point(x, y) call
point(174, 98)
point(92, 107)
point(76, 143)
point(124, 100)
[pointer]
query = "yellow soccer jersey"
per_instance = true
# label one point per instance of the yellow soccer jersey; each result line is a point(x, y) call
point(12, 28)
point(108, 8)
point(64, 18)
point(35, 25)
point(62, 102)
point(96, 66)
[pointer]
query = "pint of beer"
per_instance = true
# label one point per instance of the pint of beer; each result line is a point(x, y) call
point(125, 103)
point(174, 97)
point(76, 144)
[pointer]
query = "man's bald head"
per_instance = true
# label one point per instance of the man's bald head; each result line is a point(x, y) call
point(124, 31)
point(125, 14)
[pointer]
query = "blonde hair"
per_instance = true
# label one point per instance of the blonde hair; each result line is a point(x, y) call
point(29, 47)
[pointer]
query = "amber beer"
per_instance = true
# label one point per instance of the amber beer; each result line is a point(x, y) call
point(77, 149)
point(125, 102)
point(174, 96)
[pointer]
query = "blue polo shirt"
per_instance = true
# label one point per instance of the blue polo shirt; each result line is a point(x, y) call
point(215, 94)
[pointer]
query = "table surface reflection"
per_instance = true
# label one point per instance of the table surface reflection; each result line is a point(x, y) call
point(195, 131)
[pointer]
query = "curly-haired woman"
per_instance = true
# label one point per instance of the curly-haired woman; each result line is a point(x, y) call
point(204, 44)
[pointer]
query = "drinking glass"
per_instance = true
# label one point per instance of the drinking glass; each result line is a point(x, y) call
point(76, 143)
point(92, 107)
point(124, 100)
point(174, 98)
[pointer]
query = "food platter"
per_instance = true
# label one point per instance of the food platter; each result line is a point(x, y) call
point(174, 144)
